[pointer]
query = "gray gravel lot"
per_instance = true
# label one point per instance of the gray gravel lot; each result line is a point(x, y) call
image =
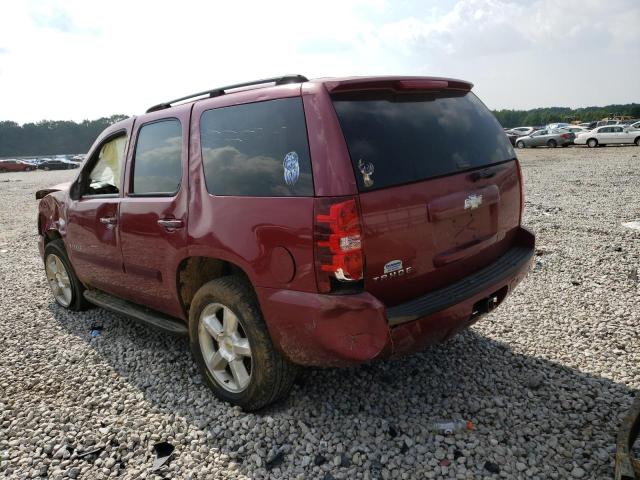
point(545, 379)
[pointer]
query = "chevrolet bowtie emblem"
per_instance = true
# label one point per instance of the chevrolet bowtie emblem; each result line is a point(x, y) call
point(472, 201)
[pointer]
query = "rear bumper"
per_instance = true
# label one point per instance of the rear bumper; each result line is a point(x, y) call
point(341, 330)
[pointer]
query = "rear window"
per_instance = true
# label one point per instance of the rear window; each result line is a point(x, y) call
point(257, 149)
point(402, 138)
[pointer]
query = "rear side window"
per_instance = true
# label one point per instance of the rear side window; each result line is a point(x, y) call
point(257, 149)
point(157, 166)
point(403, 138)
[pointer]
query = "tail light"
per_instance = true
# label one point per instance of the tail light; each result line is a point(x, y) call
point(521, 181)
point(338, 244)
point(564, 135)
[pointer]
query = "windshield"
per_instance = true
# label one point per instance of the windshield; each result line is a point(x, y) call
point(400, 138)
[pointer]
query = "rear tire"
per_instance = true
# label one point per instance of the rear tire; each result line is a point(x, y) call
point(637, 142)
point(242, 366)
point(520, 144)
point(552, 144)
point(592, 143)
point(57, 262)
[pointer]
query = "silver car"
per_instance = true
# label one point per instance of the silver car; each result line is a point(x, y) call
point(546, 137)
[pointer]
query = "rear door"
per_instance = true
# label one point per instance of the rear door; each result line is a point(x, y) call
point(439, 187)
point(153, 212)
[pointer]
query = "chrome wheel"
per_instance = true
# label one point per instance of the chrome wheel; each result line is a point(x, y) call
point(59, 281)
point(225, 347)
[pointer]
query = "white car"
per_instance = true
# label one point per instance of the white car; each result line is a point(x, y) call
point(608, 135)
point(575, 129)
point(522, 131)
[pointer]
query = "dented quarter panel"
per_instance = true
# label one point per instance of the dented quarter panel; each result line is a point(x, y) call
point(325, 330)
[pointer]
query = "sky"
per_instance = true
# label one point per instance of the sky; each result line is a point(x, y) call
point(83, 59)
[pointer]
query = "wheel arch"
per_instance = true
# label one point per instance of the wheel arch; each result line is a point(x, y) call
point(195, 271)
point(48, 219)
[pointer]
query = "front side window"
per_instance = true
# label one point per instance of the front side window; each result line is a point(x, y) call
point(157, 165)
point(105, 176)
point(257, 149)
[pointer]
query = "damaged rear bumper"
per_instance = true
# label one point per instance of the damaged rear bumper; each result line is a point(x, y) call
point(340, 330)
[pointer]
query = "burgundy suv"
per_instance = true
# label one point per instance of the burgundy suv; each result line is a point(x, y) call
point(290, 222)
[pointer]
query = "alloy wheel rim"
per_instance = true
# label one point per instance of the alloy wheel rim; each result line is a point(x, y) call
point(59, 280)
point(225, 347)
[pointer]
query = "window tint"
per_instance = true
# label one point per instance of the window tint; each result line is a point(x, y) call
point(104, 178)
point(401, 138)
point(257, 149)
point(157, 166)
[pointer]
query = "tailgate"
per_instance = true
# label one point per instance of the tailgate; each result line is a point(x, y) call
point(439, 186)
point(426, 235)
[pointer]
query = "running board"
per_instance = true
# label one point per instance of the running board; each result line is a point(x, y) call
point(130, 309)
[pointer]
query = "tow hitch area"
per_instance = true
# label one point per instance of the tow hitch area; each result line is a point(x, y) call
point(485, 305)
point(627, 466)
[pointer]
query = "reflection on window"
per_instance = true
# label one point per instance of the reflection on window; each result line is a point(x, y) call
point(157, 167)
point(104, 178)
point(397, 139)
point(257, 149)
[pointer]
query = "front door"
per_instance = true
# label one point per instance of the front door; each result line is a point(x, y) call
point(153, 212)
point(540, 138)
point(92, 236)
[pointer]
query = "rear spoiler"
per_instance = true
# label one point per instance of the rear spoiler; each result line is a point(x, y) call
point(409, 84)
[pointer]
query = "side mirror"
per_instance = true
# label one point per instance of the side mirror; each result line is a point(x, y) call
point(76, 188)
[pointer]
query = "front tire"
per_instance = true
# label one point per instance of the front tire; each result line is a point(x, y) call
point(232, 347)
point(520, 144)
point(592, 143)
point(637, 142)
point(67, 289)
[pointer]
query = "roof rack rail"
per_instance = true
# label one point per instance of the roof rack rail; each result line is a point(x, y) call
point(216, 92)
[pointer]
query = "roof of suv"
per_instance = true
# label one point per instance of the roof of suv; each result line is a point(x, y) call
point(333, 84)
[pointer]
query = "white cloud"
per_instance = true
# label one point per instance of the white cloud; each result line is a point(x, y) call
point(76, 59)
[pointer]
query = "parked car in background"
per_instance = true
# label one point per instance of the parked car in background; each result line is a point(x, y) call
point(56, 164)
point(609, 135)
point(605, 122)
point(512, 136)
point(553, 126)
point(13, 165)
point(547, 137)
point(576, 130)
point(522, 131)
point(635, 126)
point(244, 219)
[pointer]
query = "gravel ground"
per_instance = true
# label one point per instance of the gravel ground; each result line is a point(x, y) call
point(545, 379)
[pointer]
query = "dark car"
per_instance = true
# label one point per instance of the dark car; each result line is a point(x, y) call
point(56, 164)
point(12, 165)
point(289, 222)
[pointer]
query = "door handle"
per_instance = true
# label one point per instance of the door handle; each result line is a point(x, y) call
point(108, 221)
point(170, 224)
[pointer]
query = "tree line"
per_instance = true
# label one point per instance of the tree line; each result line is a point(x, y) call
point(53, 137)
point(543, 116)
